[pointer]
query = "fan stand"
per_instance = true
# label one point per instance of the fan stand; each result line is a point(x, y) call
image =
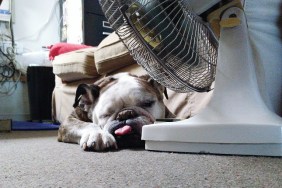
point(236, 121)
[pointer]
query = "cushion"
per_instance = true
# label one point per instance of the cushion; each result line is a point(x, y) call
point(75, 65)
point(61, 48)
point(111, 55)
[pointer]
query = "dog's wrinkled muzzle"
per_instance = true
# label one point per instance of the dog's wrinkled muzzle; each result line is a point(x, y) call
point(127, 127)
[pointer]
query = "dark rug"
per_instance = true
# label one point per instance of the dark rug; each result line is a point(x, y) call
point(33, 126)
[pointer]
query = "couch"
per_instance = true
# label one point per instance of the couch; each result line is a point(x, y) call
point(111, 56)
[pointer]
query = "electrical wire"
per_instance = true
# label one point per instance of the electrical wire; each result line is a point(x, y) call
point(9, 75)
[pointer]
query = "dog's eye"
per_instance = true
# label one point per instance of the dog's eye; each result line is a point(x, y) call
point(105, 116)
point(147, 104)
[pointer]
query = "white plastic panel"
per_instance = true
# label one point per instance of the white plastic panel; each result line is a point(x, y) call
point(236, 121)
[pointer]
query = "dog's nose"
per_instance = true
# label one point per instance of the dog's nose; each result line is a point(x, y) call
point(126, 114)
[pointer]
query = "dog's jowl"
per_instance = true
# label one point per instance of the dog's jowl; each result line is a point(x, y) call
point(110, 113)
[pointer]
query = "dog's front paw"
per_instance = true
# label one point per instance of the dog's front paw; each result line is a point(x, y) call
point(97, 141)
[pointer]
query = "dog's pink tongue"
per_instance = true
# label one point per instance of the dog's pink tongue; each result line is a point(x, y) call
point(123, 130)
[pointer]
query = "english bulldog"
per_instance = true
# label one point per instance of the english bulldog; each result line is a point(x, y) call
point(110, 113)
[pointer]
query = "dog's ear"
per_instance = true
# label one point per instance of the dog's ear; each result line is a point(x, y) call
point(155, 84)
point(88, 93)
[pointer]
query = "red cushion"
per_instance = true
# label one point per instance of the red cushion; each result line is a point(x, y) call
point(61, 48)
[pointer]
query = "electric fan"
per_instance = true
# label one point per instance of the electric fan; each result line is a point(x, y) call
point(177, 49)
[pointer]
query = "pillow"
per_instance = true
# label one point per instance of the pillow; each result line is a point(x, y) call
point(61, 48)
point(111, 55)
point(76, 65)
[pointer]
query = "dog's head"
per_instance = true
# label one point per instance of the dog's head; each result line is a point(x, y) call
point(122, 104)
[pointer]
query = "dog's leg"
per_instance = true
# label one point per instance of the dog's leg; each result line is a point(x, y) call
point(97, 140)
point(88, 135)
point(70, 131)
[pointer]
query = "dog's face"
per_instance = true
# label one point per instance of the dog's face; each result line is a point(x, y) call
point(122, 104)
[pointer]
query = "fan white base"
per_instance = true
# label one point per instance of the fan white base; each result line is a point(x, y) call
point(226, 149)
point(236, 121)
point(195, 136)
point(215, 130)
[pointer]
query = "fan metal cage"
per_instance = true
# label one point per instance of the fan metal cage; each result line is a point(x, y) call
point(168, 40)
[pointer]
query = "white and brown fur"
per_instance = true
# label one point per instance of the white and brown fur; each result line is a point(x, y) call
point(108, 104)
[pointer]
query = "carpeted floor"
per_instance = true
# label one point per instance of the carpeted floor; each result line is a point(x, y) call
point(36, 159)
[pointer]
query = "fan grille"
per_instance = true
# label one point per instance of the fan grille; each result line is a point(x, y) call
point(168, 40)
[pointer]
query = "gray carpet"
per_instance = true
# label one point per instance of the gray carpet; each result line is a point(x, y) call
point(36, 159)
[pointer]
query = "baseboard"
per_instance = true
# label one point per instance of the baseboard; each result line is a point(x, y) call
point(17, 117)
